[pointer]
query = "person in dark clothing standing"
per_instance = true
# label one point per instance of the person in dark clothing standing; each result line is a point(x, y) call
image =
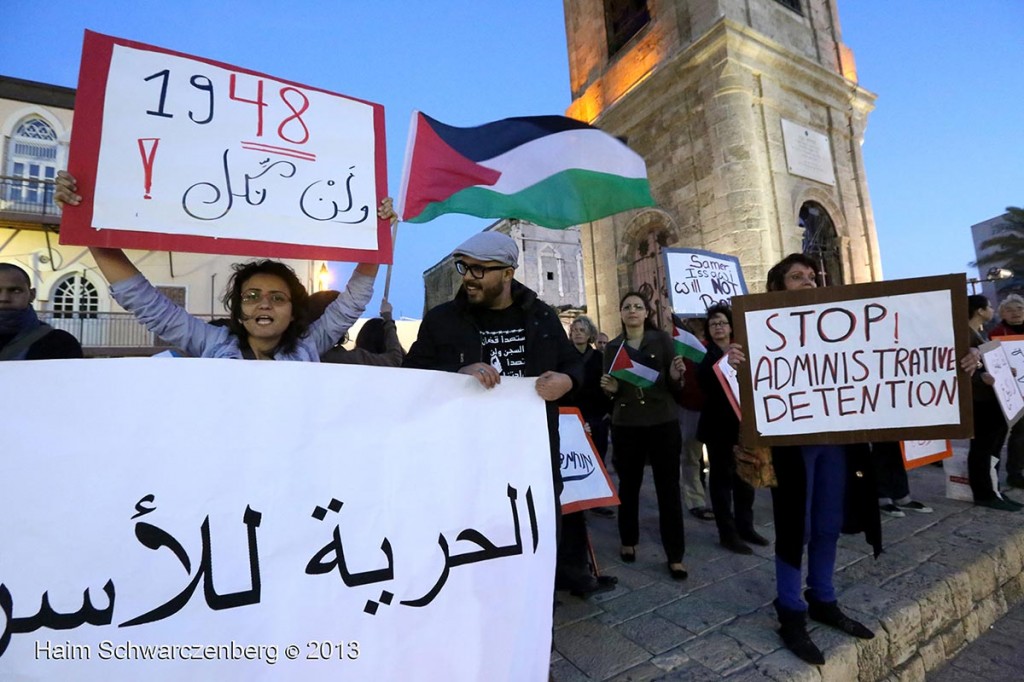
point(732, 498)
point(497, 327)
point(645, 428)
point(22, 335)
point(1011, 315)
point(990, 426)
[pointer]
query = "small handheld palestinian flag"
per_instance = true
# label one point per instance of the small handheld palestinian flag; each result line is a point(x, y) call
point(687, 345)
point(626, 368)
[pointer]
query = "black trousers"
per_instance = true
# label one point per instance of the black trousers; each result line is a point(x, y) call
point(633, 447)
point(732, 498)
point(890, 472)
point(989, 433)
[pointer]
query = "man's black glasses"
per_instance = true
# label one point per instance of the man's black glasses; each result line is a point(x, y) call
point(477, 271)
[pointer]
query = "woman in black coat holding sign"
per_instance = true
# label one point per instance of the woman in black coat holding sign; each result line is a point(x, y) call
point(645, 426)
point(732, 498)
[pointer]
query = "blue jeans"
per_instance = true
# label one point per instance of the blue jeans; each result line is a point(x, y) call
point(824, 490)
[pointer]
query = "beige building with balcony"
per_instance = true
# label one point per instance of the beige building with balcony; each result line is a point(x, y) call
point(35, 126)
point(750, 118)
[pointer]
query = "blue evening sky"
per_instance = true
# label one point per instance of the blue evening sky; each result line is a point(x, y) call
point(944, 148)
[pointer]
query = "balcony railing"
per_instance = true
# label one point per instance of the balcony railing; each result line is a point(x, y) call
point(31, 196)
point(109, 331)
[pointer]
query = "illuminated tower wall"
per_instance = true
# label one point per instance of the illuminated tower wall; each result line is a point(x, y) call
point(750, 118)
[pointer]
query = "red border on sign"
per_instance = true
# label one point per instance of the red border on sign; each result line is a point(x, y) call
point(921, 461)
point(580, 505)
point(76, 223)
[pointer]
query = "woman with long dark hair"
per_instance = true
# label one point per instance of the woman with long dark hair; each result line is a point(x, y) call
point(732, 498)
point(645, 428)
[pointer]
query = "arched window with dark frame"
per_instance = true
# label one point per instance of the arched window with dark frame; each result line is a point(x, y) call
point(32, 164)
point(74, 296)
point(821, 243)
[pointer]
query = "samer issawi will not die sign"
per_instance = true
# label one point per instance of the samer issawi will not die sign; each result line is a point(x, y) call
point(860, 363)
point(174, 152)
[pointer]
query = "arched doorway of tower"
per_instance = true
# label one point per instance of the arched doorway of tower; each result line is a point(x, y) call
point(648, 274)
point(821, 243)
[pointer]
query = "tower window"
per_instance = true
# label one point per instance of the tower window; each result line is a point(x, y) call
point(623, 19)
point(791, 4)
point(551, 276)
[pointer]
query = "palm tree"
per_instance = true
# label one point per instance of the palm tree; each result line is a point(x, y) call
point(1006, 248)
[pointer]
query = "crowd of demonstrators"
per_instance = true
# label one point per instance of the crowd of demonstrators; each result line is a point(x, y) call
point(732, 498)
point(269, 315)
point(1011, 315)
point(376, 343)
point(990, 426)
point(645, 428)
point(22, 335)
point(690, 400)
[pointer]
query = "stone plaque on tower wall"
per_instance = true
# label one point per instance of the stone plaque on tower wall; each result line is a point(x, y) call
point(807, 153)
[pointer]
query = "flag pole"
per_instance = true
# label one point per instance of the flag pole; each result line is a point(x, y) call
point(387, 274)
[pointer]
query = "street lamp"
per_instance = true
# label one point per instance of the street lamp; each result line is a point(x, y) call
point(994, 274)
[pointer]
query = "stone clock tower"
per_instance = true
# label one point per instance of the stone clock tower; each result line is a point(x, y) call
point(750, 118)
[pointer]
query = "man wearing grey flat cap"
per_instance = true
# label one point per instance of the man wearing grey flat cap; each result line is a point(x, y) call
point(494, 327)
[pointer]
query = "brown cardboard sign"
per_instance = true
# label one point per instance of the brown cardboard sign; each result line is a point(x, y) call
point(858, 363)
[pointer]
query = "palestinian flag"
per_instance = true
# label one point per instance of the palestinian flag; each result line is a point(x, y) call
point(550, 170)
point(626, 368)
point(687, 345)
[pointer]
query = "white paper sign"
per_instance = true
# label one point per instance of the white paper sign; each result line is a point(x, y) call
point(997, 364)
point(700, 279)
point(273, 521)
point(919, 452)
point(1014, 347)
point(730, 383)
point(584, 478)
point(873, 363)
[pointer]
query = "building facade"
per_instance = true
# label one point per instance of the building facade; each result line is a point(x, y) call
point(994, 290)
point(35, 128)
point(750, 118)
point(550, 263)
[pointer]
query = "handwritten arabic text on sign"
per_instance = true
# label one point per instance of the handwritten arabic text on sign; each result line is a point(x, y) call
point(319, 516)
point(195, 151)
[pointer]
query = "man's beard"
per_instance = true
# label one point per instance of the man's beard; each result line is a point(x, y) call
point(487, 295)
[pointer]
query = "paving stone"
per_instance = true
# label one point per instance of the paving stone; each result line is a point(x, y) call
point(654, 633)
point(980, 569)
point(783, 666)
point(697, 615)
point(900, 617)
point(689, 671)
point(989, 610)
point(645, 672)
point(564, 671)
point(840, 653)
point(916, 547)
point(637, 602)
point(756, 633)
point(720, 653)
point(934, 598)
point(954, 638)
point(932, 654)
point(571, 609)
point(598, 650)
point(911, 671)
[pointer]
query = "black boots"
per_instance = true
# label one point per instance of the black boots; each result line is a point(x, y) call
point(793, 628)
point(829, 614)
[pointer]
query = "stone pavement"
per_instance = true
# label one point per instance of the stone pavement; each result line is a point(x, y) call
point(996, 656)
point(942, 581)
